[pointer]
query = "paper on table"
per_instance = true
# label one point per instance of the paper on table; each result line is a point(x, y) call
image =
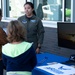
point(58, 69)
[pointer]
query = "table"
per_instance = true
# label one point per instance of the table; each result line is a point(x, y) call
point(43, 59)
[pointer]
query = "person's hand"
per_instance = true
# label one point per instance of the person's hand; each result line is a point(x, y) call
point(37, 50)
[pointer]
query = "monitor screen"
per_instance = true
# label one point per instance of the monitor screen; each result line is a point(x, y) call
point(66, 35)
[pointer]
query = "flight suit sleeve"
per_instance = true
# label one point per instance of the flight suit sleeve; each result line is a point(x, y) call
point(40, 32)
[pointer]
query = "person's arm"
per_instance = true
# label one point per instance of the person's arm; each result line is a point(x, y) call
point(40, 35)
point(4, 60)
point(33, 58)
point(3, 36)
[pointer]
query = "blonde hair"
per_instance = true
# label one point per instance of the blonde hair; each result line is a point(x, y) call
point(16, 31)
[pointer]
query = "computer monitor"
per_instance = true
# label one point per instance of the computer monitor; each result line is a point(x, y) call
point(66, 35)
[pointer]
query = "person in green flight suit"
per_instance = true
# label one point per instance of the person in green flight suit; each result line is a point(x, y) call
point(34, 27)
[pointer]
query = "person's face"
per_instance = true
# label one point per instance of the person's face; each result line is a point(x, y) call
point(28, 10)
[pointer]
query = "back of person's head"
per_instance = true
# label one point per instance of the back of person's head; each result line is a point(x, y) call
point(0, 14)
point(32, 6)
point(16, 31)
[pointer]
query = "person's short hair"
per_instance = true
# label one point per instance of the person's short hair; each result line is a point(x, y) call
point(16, 31)
point(0, 12)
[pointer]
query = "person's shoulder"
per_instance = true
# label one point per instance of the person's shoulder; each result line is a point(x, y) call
point(28, 43)
point(23, 16)
point(37, 18)
point(6, 45)
point(27, 46)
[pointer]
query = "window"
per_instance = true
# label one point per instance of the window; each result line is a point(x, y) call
point(68, 10)
point(49, 9)
point(0, 3)
point(15, 8)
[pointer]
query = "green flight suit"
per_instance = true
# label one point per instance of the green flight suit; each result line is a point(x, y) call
point(34, 29)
